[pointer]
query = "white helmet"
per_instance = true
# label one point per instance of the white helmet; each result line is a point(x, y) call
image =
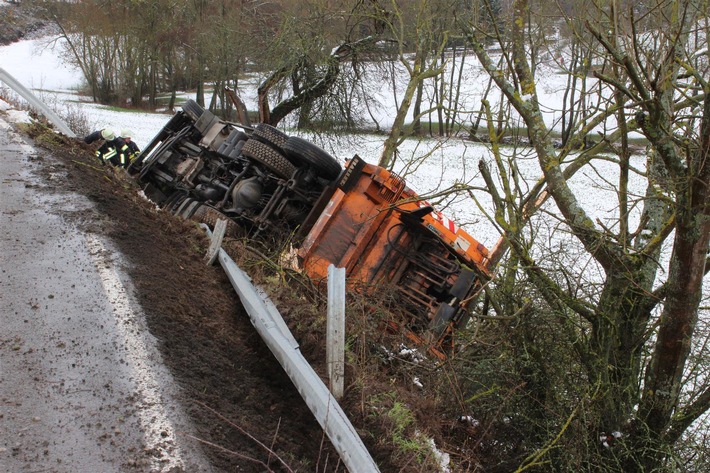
point(107, 134)
point(126, 133)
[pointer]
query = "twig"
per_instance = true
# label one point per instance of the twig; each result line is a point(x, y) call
point(273, 440)
point(231, 452)
point(533, 460)
point(269, 450)
point(87, 165)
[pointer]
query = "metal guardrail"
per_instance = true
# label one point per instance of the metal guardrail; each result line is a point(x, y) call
point(272, 328)
point(36, 103)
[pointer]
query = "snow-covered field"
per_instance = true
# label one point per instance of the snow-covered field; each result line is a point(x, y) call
point(37, 64)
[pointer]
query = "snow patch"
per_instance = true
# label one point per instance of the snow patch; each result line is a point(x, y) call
point(19, 116)
point(443, 458)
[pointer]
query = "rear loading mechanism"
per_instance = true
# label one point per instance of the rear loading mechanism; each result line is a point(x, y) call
point(362, 218)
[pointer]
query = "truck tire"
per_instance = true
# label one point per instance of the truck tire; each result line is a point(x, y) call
point(270, 135)
point(174, 201)
point(209, 215)
point(304, 152)
point(269, 157)
point(236, 136)
point(193, 109)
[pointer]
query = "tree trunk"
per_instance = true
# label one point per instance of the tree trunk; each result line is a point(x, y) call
point(685, 283)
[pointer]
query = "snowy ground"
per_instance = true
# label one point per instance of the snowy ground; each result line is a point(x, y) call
point(38, 65)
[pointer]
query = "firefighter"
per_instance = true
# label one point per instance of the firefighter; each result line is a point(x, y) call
point(134, 151)
point(113, 150)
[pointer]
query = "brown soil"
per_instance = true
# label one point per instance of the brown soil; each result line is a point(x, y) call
point(244, 407)
point(234, 389)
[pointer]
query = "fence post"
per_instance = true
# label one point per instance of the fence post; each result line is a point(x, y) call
point(275, 333)
point(335, 336)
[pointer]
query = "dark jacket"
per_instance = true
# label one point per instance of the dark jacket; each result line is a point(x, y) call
point(115, 151)
point(133, 150)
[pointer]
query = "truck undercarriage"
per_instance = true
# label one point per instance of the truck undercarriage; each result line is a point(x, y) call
point(363, 218)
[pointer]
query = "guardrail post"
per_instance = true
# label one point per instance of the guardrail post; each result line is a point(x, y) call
point(275, 333)
point(335, 337)
point(216, 241)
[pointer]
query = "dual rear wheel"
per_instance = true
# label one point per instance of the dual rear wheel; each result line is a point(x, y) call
point(279, 152)
point(297, 151)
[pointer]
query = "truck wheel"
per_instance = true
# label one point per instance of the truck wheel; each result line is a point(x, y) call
point(174, 201)
point(209, 215)
point(303, 151)
point(269, 157)
point(270, 135)
point(193, 109)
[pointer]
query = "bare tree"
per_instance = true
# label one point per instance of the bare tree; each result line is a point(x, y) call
point(309, 45)
point(125, 50)
point(632, 334)
point(417, 40)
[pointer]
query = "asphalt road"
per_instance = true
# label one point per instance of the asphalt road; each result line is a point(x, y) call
point(82, 386)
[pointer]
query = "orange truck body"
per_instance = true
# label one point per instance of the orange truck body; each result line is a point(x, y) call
point(385, 235)
point(362, 218)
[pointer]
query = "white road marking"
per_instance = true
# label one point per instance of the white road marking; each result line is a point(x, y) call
point(159, 431)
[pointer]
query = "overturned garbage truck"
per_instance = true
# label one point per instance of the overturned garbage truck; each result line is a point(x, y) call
point(362, 218)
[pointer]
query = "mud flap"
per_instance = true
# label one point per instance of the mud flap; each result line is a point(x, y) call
point(444, 314)
point(463, 284)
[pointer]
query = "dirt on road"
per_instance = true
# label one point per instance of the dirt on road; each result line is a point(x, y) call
point(246, 410)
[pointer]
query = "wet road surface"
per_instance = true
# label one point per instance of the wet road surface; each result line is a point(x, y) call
point(82, 386)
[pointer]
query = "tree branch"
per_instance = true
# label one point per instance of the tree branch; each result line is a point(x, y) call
point(624, 60)
point(687, 415)
point(526, 105)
